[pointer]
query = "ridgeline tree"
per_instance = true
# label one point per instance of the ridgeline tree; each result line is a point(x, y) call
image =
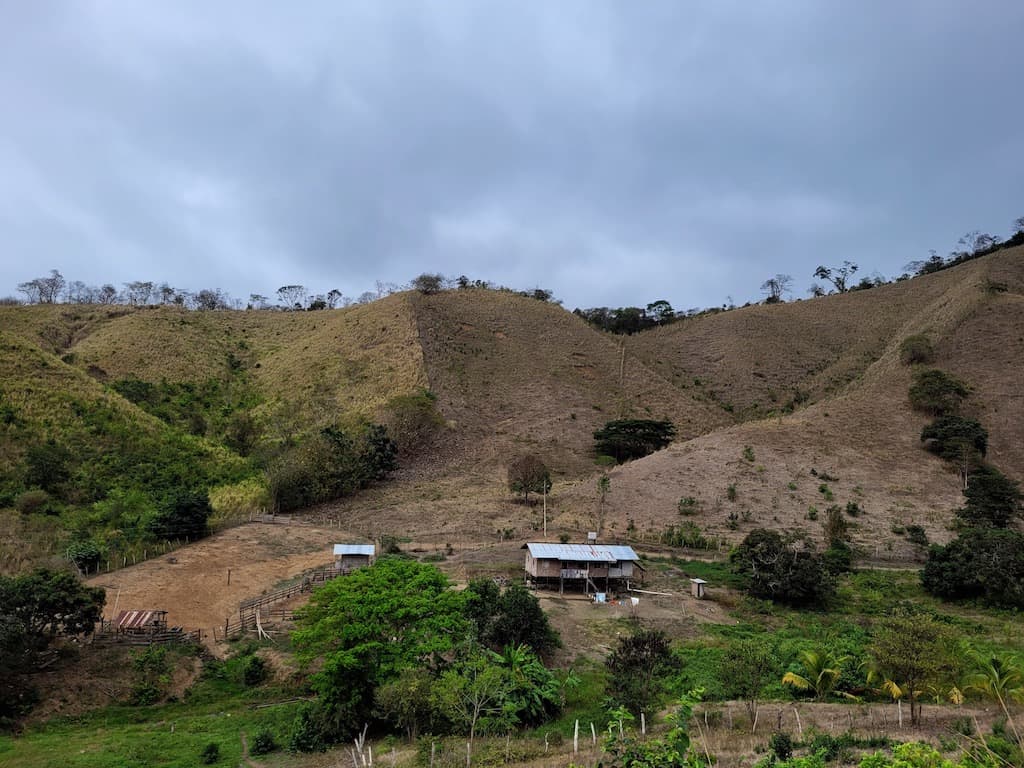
point(838, 276)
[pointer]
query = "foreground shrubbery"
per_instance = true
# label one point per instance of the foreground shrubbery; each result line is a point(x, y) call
point(395, 642)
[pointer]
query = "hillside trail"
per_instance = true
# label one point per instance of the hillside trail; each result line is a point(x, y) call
point(245, 753)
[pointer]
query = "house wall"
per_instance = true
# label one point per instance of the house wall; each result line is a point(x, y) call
point(350, 562)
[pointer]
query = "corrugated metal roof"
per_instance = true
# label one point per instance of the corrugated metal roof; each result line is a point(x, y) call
point(608, 553)
point(146, 619)
point(354, 549)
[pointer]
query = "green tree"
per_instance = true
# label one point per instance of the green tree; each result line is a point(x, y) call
point(745, 669)
point(183, 515)
point(822, 670)
point(937, 392)
point(993, 499)
point(637, 669)
point(407, 701)
point(367, 628)
point(785, 569)
point(982, 563)
point(528, 474)
point(473, 693)
point(509, 617)
point(914, 652)
point(626, 439)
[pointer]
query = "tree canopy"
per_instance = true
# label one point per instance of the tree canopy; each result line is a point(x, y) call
point(785, 569)
point(626, 439)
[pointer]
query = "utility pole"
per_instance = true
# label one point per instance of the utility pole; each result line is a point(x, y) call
point(545, 487)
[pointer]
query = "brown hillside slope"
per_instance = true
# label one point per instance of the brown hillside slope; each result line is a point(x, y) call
point(867, 436)
point(518, 375)
point(758, 358)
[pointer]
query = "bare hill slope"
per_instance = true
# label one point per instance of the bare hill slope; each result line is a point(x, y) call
point(865, 435)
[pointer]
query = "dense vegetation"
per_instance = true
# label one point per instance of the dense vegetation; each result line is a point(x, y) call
point(394, 641)
point(625, 439)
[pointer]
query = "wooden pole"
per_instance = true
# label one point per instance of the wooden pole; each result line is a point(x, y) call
point(576, 738)
point(229, 577)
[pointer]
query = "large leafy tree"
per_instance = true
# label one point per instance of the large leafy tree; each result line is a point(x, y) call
point(915, 653)
point(36, 608)
point(993, 499)
point(785, 569)
point(509, 617)
point(983, 563)
point(626, 439)
point(370, 626)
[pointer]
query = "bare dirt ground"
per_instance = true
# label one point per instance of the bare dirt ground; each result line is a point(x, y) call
point(191, 583)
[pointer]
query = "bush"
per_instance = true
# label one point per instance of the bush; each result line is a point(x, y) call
point(263, 742)
point(638, 668)
point(780, 745)
point(688, 505)
point(916, 349)
point(36, 500)
point(210, 753)
point(254, 672)
point(937, 392)
point(783, 569)
point(428, 283)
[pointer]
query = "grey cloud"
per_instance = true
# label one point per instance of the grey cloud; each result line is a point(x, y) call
point(613, 152)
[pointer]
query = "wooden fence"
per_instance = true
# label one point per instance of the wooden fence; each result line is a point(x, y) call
point(168, 637)
point(308, 581)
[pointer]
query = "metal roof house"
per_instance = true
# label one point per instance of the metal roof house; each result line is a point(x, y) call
point(137, 622)
point(592, 567)
point(348, 557)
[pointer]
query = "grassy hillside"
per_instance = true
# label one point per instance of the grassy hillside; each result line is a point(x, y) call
point(814, 388)
point(67, 436)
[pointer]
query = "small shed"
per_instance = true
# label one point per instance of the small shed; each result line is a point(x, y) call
point(348, 557)
point(697, 588)
point(140, 622)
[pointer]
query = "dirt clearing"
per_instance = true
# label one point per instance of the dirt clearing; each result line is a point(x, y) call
point(191, 583)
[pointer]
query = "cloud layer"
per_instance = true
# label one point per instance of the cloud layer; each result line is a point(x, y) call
point(613, 152)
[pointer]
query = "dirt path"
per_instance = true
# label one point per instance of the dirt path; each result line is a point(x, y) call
point(245, 753)
point(191, 583)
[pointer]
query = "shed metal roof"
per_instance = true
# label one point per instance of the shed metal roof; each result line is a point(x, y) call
point(599, 553)
point(354, 549)
point(139, 619)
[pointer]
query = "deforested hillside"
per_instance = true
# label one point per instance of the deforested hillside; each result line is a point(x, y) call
point(768, 358)
point(518, 375)
point(857, 446)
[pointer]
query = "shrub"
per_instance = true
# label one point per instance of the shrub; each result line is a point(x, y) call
point(210, 753)
point(254, 672)
point(263, 742)
point(937, 392)
point(916, 535)
point(412, 420)
point(916, 349)
point(730, 492)
point(638, 668)
point(748, 453)
point(688, 505)
point(85, 554)
point(36, 500)
point(780, 745)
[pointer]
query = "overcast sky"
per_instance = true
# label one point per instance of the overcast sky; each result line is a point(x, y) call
point(614, 152)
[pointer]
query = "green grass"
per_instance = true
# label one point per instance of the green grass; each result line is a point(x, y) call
point(218, 708)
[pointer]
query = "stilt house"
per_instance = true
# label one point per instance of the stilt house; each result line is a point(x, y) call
point(581, 567)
